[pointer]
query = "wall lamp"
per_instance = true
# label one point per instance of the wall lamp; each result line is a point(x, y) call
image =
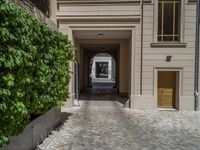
point(100, 35)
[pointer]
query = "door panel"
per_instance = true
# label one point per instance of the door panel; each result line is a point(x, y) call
point(166, 88)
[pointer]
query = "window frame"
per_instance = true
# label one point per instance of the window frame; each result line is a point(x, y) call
point(174, 34)
point(181, 26)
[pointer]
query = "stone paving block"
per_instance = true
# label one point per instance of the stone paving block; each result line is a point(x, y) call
point(111, 127)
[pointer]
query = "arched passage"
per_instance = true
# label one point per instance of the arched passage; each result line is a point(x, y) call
point(90, 54)
point(102, 71)
point(99, 71)
point(117, 44)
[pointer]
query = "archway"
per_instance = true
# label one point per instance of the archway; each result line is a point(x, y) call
point(114, 43)
point(99, 72)
point(103, 72)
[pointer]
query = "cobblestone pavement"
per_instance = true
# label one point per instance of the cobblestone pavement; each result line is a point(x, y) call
point(107, 126)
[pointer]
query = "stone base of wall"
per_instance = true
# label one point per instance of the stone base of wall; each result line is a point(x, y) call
point(70, 101)
point(143, 102)
point(185, 103)
point(35, 132)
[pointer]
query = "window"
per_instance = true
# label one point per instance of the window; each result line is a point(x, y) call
point(169, 20)
point(42, 5)
point(101, 69)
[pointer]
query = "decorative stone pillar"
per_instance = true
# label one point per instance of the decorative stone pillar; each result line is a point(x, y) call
point(132, 91)
point(70, 101)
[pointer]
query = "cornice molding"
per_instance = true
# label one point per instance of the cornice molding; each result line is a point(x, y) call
point(84, 2)
point(98, 18)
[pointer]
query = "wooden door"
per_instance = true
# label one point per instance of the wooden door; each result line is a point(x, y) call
point(166, 89)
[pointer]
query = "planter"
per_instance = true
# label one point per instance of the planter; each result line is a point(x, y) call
point(35, 132)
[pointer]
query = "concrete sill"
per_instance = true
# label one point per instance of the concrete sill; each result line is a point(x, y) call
point(167, 109)
point(169, 44)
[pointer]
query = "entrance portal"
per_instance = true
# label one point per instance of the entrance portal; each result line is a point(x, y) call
point(100, 73)
point(104, 59)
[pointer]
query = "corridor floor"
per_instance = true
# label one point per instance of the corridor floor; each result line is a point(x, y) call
point(107, 126)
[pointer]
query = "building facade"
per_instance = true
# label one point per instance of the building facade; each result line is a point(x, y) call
point(152, 41)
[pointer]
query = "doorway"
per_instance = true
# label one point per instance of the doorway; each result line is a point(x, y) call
point(168, 89)
point(100, 73)
point(103, 72)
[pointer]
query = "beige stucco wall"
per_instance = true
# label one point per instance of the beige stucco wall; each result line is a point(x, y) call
point(124, 67)
point(182, 57)
point(103, 14)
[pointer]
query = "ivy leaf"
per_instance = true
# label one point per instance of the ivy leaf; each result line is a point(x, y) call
point(34, 68)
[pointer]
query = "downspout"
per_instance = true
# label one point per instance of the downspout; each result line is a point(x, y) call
point(196, 77)
point(77, 79)
point(141, 59)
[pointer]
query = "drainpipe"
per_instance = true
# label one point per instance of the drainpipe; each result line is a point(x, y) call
point(196, 77)
point(77, 79)
point(141, 59)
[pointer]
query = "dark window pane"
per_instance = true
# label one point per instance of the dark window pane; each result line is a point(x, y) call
point(177, 19)
point(159, 19)
point(168, 18)
point(43, 5)
point(177, 38)
point(168, 38)
point(101, 69)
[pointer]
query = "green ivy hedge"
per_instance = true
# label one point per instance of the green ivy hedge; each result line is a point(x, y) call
point(34, 69)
